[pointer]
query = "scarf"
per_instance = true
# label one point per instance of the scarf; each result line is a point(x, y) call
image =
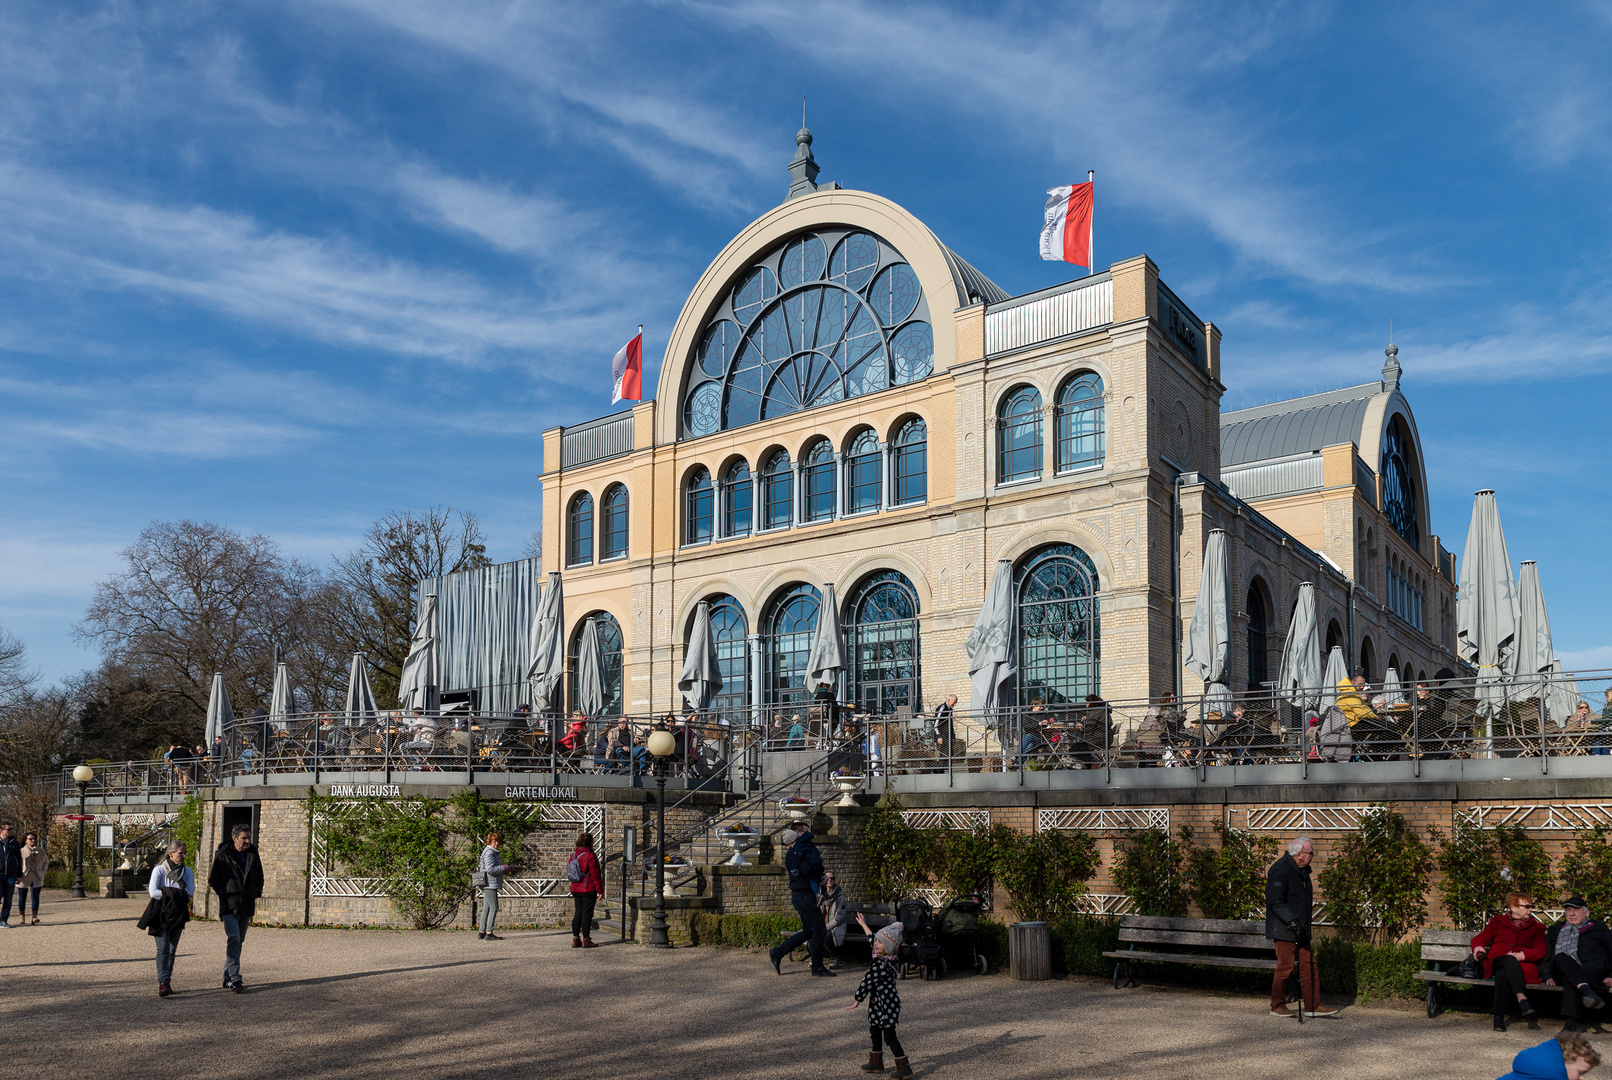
point(175, 872)
point(1567, 938)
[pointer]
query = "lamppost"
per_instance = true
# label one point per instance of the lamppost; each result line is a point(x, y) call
point(82, 775)
point(661, 746)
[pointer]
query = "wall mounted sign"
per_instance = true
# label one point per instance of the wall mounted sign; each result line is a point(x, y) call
point(356, 791)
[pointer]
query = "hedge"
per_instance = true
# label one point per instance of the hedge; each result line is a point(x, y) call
point(741, 930)
point(1356, 969)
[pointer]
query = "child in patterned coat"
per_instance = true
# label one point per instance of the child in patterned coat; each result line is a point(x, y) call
point(884, 1000)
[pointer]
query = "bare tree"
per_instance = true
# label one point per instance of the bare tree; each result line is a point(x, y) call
point(533, 547)
point(15, 678)
point(195, 598)
point(373, 591)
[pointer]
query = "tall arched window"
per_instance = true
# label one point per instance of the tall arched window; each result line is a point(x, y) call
point(1334, 639)
point(789, 625)
point(777, 491)
point(1368, 659)
point(910, 469)
point(1059, 632)
point(1080, 422)
point(1258, 672)
point(729, 633)
point(1019, 434)
point(613, 535)
point(579, 531)
point(817, 483)
point(1400, 503)
point(698, 510)
point(864, 470)
point(882, 628)
point(610, 649)
point(737, 493)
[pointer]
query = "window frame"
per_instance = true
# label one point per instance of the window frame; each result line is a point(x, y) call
point(1069, 410)
point(729, 485)
point(574, 557)
point(1008, 422)
point(609, 513)
point(819, 484)
point(779, 475)
point(864, 474)
point(695, 500)
point(901, 454)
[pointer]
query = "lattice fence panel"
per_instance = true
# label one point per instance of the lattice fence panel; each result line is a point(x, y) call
point(1297, 819)
point(1103, 903)
point(1105, 818)
point(946, 819)
point(1540, 817)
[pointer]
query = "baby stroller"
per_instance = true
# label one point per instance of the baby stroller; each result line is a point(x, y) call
point(958, 925)
point(920, 940)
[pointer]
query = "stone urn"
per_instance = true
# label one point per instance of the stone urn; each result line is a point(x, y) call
point(672, 870)
point(739, 842)
point(849, 786)
point(797, 811)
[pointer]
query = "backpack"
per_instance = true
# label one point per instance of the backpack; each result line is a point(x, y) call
point(573, 869)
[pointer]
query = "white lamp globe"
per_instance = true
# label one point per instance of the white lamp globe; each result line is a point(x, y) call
point(661, 743)
point(83, 774)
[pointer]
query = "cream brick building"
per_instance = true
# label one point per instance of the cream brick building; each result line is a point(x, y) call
point(845, 400)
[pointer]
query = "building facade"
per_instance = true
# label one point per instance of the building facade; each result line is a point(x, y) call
point(845, 401)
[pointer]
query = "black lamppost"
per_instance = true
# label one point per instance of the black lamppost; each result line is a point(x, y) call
point(661, 746)
point(82, 775)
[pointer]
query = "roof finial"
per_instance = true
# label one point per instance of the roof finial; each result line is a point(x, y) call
point(803, 169)
point(1391, 368)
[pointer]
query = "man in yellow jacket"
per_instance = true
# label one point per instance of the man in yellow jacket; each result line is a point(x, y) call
point(1352, 699)
point(1334, 741)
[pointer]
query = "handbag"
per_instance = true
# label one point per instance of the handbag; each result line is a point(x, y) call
point(478, 879)
point(1470, 968)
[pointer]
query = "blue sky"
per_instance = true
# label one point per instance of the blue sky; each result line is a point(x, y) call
point(287, 266)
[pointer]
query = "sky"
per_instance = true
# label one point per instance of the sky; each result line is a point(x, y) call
point(289, 266)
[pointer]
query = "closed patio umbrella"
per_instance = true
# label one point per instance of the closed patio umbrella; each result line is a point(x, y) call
point(1301, 674)
point(1209, 632)
point(1563, 695)
point(420, 686)
point(990, 645)
point(826, 662)
point(360, 707)
point(702, 677)
point(590, 672)
point(1391, 692)
point(546, 670)
point(1337, 671)
point(1486, 612)
point(219, 713)
point(284, 702)
point(1531, 659)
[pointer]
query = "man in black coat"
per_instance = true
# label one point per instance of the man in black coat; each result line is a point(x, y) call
point(10, 871)
point(1578, 952)
point(237, 878)
point(804, 865)
point(1288, 902)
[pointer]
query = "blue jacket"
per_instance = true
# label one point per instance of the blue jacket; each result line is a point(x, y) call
point(1542, 1062)
point(804, 863)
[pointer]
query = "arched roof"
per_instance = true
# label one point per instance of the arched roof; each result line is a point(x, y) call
point(1296, 426)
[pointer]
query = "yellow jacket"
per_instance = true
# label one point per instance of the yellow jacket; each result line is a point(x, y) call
point(1352, 704)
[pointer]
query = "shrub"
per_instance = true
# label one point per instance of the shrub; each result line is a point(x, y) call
point(1365, 971)
point(1044, 872)
point(1228, 882)
point(188, 826)
point(898, 857)
point(1149, 868)
point(965, 859)
point(743, 931)
point(1079, 941)
point(1376, 881)
point(1587, 869)
point(1480, 866)
point(992, 942)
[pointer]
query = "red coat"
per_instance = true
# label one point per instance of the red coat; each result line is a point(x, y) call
point(1503, 936)
point(594, 883)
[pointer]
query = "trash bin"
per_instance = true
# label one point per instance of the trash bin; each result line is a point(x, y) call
point(1030, 951)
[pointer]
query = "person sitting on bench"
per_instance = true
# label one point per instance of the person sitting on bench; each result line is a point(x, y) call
point(1510, 947)
point(1580, 951)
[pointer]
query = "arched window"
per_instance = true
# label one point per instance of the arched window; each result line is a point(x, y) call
point(1019, 433)
point(822, 317)
point(729, 633)
point(1400, 503)
point(817, 483)
point(579, 532)
point(1368, 660)
point(697, 507)
point(864, 474)
point(911, 465)
point(1080, 422)
point(1059, 632)
point(777, 492)
point(882, 629)
point(613, 538)
point(737, 493)
point(789, 625)
point(1334, 639)
point(610, 649)
point(1258, 672)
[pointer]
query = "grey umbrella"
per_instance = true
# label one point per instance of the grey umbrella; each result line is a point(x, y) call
point(1301, 673)
point(1564, 697)
point(826, 662)
point(990, 645)
point(1391, 692)
point(1337, 672)
point(420, 686)
point(219, 713)
point(1531, 659)
point(283, 703)
point(702, 678)
point(1486, 606)
point(590, 672)
point(360, 707)
point(546, 670)
point(1209, 632)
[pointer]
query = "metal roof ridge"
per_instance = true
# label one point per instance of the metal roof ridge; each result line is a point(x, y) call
point(1051, 290)
point(1302, 404)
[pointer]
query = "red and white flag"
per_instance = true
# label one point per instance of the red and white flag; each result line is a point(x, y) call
point(628, 369)
point(1066, 236)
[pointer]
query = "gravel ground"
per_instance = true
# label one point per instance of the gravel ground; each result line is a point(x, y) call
point(80, 992)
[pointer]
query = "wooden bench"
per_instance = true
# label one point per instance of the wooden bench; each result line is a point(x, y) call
point(1449, 948)
point(1236, 938)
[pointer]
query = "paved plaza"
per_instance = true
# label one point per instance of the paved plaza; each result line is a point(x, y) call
point(80, 995)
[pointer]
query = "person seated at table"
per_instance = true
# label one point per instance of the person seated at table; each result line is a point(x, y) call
point(249, 756)
point(423, 729)
point(796, 739)
point(1157, 730)
point(574, 741)
point(1579, 952)
point(618, 746)
point(522, 715)
point(1034, 734)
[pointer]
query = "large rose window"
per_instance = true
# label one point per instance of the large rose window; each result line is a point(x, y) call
point(826, 316)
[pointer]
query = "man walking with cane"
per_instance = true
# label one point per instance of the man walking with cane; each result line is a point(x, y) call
point(237, 878)
point(1288, 902)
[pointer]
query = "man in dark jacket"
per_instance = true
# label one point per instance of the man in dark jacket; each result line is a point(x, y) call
point(237, 878)
point(804, 865)
point(10, 871)
point(1578, 957)
point(1288, 896)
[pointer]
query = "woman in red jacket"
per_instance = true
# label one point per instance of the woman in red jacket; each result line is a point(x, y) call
point(587, 883)
point(1510, 947)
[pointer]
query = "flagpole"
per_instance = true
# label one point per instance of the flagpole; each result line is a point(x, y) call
point(1091, 230)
